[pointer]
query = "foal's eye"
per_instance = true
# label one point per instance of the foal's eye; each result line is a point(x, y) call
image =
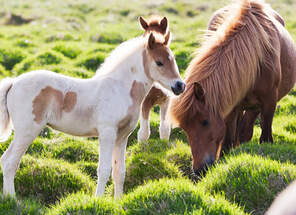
point(158, 63)
point(205, 123)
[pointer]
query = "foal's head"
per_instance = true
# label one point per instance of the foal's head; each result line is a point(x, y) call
point(160, 64)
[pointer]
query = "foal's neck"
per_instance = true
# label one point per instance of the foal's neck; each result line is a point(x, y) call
point(130, 69)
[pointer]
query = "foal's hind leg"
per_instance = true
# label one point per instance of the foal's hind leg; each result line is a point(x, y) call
point(107, 138)
point(118, 172)
point(11, 158)
point(165, 125)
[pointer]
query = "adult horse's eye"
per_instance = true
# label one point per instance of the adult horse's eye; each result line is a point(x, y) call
point(158, 63)
point(205, 123)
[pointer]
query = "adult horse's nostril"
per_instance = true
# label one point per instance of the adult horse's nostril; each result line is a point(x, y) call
point(179, 87)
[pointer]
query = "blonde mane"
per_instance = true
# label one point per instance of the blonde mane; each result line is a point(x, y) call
point(120, 53)
point(229, 60)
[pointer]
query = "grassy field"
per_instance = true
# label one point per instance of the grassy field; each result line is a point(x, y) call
point(58, 173)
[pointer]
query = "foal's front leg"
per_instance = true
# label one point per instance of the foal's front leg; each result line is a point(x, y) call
point(118, 172)
point(107, 138)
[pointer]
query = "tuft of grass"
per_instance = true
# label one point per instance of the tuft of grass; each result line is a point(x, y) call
point(67, 50)
point(80, 203)
point(174, 196)
point(3, 72)
point(92, 61)
point(10, 56)
point(39, 61)
point(181, 157)
point(74, 151)
point(284, 153)
point(142, 167)
point(12, 206)
point(250, 181)
point(89, 168)
point(48, 180)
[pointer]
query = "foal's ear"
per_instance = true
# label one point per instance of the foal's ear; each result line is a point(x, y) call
point(167, 39)
point(199, 92)
point(164, 24)
point(151, 41)
point(143, 23)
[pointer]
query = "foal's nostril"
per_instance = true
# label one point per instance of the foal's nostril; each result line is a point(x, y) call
point(179, 87)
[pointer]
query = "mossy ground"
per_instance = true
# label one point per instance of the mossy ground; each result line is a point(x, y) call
point(58, 174)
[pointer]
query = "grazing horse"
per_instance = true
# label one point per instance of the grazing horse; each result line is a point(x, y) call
point(156, 96)
point(248, 63)
point(106, 105)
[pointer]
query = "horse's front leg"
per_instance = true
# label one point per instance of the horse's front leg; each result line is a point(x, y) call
point(231, 139)
point(107, 138)
point(165, 125)
point(267, 113)
point(246, 127)
point(118, 162)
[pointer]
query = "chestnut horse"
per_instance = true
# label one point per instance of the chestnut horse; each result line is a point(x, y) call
point(248, 63)
point(107, 105)
point(156, 96)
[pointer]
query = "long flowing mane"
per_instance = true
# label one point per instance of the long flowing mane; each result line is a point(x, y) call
point(228, 62)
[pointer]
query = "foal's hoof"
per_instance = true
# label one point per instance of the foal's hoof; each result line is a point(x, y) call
point(143, 136)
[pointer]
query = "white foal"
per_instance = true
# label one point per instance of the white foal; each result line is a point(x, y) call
point(106, 105)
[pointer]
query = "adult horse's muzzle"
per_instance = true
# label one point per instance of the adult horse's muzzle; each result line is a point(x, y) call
point(178, 88)
point(209, 162)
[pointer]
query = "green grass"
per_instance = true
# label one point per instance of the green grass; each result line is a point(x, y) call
point(11, 206)
point(58, 174)
point(47, 180)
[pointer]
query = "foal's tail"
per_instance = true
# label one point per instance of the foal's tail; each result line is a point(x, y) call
point(5, 122)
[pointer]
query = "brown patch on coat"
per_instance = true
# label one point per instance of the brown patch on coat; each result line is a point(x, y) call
point(93, 133)
point(49, 95)
point(134, 70)
point(155, 96)
point(70, 101)
point(137, 94)
point(45, 97)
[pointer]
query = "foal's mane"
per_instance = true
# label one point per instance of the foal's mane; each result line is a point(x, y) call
point(121, 53)
point(229, 60)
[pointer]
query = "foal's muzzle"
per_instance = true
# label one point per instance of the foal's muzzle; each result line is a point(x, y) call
point(178, 88)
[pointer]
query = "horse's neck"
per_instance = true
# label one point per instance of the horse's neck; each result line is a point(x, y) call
point(131, 69)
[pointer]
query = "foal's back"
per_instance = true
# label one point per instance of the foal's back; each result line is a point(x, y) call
point(44, 97)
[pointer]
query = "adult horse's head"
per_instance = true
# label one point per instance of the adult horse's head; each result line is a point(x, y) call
point(205, 129)
point(160, 65)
